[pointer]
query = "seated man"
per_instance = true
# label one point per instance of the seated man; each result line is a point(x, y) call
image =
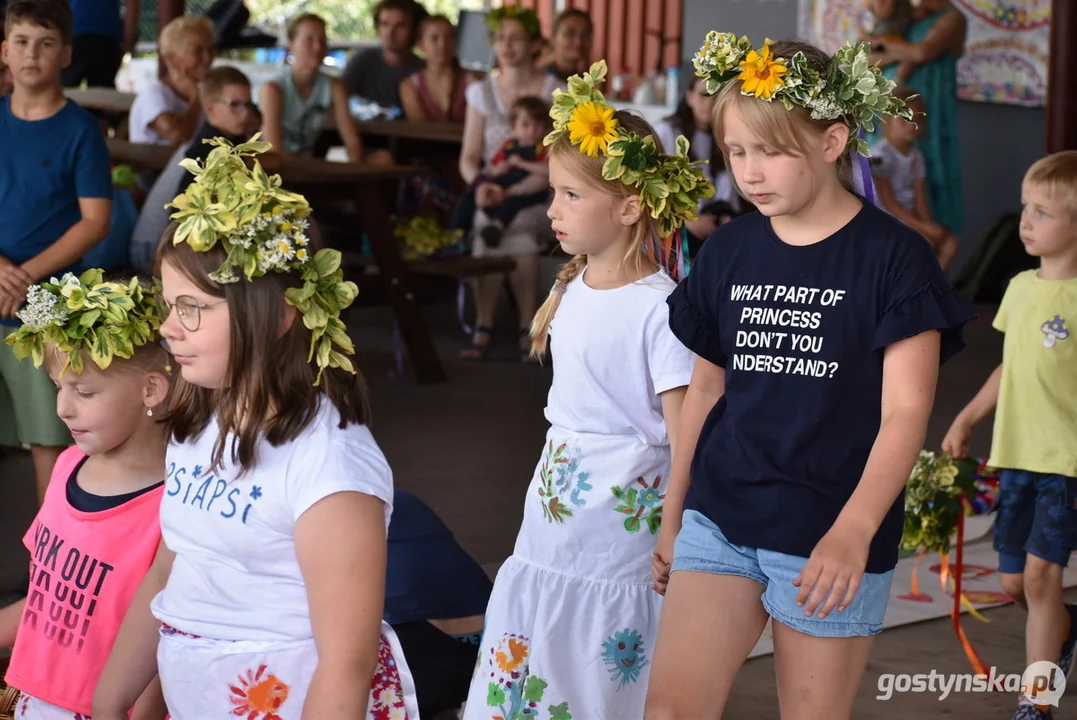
point(435, 601)
point(375, 74)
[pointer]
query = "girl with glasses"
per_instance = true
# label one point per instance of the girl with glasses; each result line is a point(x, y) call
point(266, 597)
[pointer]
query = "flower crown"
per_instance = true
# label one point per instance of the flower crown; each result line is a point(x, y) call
point(85, 315)
point(670, 186)
point(522, 15)
point(850, 88)
point(262, 228)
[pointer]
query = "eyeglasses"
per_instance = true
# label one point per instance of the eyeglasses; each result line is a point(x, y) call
point(187, 310)
point(237, 106)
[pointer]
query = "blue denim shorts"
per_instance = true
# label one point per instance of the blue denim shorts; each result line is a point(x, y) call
point(701, 547)
point(1037, 514)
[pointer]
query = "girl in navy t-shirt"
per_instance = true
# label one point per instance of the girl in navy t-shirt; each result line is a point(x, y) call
point(819, 323)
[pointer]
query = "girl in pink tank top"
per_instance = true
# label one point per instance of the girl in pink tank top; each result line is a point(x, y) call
point(418, 96)
point(97, 532)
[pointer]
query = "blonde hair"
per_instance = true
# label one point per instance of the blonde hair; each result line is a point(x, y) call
point(1057, 174)
point(784, 130)
point(174, 33)
point(590, 170)
point(146, 358)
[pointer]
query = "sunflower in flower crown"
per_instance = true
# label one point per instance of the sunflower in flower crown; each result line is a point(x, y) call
point(762, 73)
point(849, 87)
point(670, 185)
point(592, 128)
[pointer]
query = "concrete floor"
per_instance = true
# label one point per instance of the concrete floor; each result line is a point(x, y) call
point(468, 447)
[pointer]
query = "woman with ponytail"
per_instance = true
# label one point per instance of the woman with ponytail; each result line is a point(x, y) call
point(572, 618)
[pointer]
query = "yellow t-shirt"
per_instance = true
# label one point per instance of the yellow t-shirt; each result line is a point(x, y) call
point(1036, 418)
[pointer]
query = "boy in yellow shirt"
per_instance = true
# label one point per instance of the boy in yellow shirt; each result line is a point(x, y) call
point(1034, 395)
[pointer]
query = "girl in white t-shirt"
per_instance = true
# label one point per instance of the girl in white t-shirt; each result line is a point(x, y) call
point(572, 619)
point(266, 597)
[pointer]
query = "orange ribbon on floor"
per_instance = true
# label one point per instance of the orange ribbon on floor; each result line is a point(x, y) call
point(978, 664)
point(945, 575)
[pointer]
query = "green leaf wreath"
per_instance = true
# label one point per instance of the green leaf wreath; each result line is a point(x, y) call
point(86, 316)
point(262, 228)
point(851, 88)
point(670, 185)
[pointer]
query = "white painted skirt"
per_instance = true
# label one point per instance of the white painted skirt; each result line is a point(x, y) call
point(267, 680)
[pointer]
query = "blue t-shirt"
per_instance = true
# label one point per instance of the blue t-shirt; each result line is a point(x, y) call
point(96, 17)
point(45, 167)
point(800, 331)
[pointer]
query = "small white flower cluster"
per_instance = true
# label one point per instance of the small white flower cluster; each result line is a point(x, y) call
point(825, 107)
point(720, 52)
point(44, 308)
point(278, 238)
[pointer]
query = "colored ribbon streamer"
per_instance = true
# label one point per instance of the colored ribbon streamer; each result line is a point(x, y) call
point(863, 182)
point(671, 253)
point(914, 586)
point(977, 662)
point(461, 301)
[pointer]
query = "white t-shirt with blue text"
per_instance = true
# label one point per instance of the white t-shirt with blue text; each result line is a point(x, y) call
point(236, 575)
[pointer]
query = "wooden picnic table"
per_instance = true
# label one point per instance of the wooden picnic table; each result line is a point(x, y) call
point(103, 99)
point(118, 102)
point(367, 182)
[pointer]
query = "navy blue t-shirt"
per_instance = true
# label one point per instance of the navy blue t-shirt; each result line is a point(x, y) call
point(96, 17)
point(800, 331)
point(45, 167)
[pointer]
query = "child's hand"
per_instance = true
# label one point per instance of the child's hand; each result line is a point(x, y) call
point(9, 307)
point(957, 438)
point(662, 560)
point(833, 572)
point(489, 194)
point(14, 283)
point(184, 84)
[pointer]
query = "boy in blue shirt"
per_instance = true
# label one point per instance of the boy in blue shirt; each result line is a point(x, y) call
point(55, 204)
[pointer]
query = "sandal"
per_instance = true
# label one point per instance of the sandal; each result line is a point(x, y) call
point(477, 350)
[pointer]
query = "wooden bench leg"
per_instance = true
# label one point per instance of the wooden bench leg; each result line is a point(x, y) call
point(374, 213)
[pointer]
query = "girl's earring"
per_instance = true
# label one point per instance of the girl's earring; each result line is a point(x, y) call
point(149, 412)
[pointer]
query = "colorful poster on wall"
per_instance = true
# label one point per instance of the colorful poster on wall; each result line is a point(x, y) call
point(1005, 58)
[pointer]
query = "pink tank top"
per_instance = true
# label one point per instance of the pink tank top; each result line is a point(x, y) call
point(457, 110)
point(84, 570)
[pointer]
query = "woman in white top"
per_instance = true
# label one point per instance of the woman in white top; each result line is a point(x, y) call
point(692, 118)
point(168, 111)
point(296, 104)
point(516, 41)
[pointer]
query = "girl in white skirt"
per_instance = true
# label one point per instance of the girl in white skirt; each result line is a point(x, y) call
point(572, 619)
point(265, 601)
